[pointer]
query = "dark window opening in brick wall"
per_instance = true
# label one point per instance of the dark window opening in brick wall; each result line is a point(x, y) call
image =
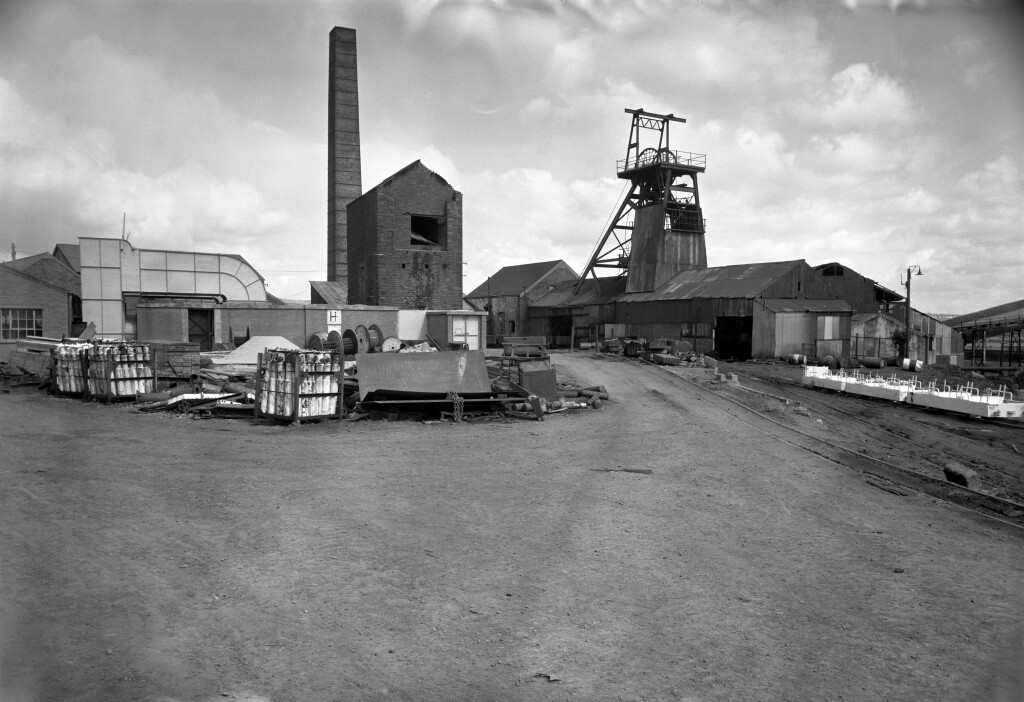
point(20, 323)
point(426, 231)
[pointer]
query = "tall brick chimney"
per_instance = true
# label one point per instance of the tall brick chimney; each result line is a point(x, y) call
point(344, 179)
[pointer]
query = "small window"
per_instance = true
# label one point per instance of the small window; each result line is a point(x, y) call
point(403, 265)
point(425, 231)
point(20, 323)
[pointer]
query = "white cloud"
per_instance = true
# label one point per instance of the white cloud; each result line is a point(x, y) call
point(858, 98)
point(822, 144)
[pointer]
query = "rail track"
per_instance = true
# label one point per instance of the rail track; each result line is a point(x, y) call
point(891, 469)
point(1010, 480)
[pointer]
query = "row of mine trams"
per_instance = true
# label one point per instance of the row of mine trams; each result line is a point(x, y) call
point(964, 399)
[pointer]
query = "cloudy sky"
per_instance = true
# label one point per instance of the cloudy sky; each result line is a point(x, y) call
point(877, 134)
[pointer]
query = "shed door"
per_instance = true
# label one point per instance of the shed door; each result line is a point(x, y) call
point(200, 328)
point(466, 330)
point(733, 337)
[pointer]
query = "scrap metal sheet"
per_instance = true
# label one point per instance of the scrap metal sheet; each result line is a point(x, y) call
point(456, 371)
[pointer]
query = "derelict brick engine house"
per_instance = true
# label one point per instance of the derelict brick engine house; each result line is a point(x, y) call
point(405, 242)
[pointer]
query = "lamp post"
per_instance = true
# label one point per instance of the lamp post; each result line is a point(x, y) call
point(906, 341)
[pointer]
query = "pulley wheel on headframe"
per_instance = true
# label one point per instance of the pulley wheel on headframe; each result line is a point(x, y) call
point(391, 344)
point(363, 339)
point(376, 338)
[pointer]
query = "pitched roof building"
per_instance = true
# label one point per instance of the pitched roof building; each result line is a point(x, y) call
point(507, 295)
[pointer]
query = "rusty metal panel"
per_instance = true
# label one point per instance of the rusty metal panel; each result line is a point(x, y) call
point(456, 371)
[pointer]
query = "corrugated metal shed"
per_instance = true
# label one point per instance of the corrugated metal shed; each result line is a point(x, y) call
point(593, 291)
point(741, 281)
point(784, 305)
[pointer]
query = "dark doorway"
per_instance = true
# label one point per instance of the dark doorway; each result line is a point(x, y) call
point(560, 330)
point(200, 328)
point(733, 337)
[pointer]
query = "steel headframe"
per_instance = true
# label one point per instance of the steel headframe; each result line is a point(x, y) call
point(644, 185)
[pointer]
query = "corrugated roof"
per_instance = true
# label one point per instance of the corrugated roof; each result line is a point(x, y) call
point(801, 305)
point(747, 280)
point(39, 281)
point(72, 253)
point(513, 280)
point(593, 291)
point(1011, 311)
point(331, 292)
point(886, 293)
point(20, 264)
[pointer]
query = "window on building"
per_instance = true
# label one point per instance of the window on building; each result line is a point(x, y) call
point(20, 323)
point(425, 231)
point(76, 309)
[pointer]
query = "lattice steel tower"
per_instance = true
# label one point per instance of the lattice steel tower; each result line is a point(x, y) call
point(659, 228)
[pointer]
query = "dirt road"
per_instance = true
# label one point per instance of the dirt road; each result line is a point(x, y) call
point(147, 557)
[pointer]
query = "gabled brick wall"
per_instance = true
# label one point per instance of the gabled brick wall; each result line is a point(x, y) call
point(53, 271)
point(19, 291)
point(385, 267)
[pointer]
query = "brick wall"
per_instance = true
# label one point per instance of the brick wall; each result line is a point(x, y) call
point(19, 291)
point(363, 216)
point(167, 320)
point(53, 271)
point(163, 324)
point(385, 267)
point(504, 311)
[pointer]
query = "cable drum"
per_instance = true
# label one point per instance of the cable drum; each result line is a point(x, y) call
point(391, 344)
point(337, 341)
point(376, 338)
point(317, 341)
point(363, 339)
point(350, 345)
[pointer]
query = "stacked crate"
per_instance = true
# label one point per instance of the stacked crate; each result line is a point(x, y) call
point(119, 370)
point(299, 384)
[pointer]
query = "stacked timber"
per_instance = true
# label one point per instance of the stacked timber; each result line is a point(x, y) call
point(119, 370)
point(298, 384)
point(30, 361)
point(175, 359)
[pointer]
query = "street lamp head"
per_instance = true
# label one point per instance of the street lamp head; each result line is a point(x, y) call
point(919, 271)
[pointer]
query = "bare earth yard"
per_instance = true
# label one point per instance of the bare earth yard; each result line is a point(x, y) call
point(151, 557)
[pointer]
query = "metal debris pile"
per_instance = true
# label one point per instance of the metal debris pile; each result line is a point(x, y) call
point(664, 352)
point(292, 385)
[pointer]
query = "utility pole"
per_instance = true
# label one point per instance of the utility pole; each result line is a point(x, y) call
point(906, 341)
point(14, 252)
point(490, 310)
